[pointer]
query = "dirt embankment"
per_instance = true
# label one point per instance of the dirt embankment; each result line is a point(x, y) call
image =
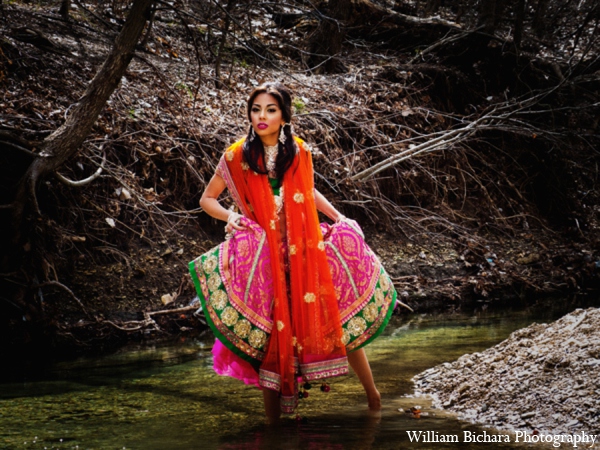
point(543, 377)
point(509, 213)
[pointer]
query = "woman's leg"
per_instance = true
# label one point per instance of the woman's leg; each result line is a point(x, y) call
point(360, 364)
point(272, 405)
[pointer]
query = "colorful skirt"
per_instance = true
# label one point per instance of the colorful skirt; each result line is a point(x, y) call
point(233, 282)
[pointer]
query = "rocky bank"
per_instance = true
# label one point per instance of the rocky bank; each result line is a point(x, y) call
point(544, 377)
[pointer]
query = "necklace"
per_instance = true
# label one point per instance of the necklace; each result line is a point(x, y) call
point(271, 152)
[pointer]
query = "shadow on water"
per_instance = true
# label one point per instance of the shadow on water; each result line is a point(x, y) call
point(169, 398)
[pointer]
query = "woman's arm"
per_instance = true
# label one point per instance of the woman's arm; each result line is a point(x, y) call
point(327, 208)
point(211, 205)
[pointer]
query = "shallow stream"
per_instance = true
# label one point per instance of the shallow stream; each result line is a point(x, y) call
point(167, 397)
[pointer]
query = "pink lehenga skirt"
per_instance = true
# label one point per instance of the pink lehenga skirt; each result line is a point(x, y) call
point(233, 282)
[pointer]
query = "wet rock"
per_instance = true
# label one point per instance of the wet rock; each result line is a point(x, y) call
point(549, 369)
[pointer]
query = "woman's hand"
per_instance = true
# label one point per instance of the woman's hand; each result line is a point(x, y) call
point(210, 204)
point(234, 223)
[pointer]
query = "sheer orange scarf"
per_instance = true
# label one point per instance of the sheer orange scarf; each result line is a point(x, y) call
point(306, 321)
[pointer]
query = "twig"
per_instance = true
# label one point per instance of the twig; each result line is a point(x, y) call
point(172, 311)
point(65, 288)
point(140, 324)
point(85, 181)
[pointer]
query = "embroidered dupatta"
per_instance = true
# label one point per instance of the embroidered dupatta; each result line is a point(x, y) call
point(307, 333)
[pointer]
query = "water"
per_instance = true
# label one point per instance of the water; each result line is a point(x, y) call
point(168, 397)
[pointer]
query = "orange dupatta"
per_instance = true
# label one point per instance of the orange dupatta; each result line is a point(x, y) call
point(306, 320)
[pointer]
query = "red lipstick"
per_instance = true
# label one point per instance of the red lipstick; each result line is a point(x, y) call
point(262, 126)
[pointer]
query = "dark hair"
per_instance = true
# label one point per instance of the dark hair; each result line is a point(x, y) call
point(253, 149)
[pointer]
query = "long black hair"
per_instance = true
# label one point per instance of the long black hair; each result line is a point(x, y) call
point(253, 149)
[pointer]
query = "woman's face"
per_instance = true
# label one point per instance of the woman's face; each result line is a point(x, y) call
point(266, 118)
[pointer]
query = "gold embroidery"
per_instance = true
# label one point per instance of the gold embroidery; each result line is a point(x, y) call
point(279, 201)
point(273, 225)
point(309, 297)
point(299, 197)
point(214, 281)
point(294, 341)
point(229, 156)
point(384, 281)
point(257, 338)
point(345, 336)
point(348, 244)
point(321, 245)
point(357, 326)
point(292, 249)
point(370, 312)
point(210, 264)
point(254, 266)
point(218, 300)
point(379, 297)
point(245, 166)
point(280, 325)
point(230, 316)
point(242, 328)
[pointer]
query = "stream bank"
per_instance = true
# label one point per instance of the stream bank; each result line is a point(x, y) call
point(543, 379)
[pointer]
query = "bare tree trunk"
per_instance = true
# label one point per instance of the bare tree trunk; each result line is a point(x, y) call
point(539, 20)
point(225, 32)
point(65, 7)
point(65, 142)
point(490, 14)
point(326, 42)
point(519, 19)
point(148, 33)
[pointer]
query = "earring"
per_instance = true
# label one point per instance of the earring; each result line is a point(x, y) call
point(252, 134)
point(282, 136)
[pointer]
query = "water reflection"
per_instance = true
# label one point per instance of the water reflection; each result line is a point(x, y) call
point(357, 431)
point(169, 398)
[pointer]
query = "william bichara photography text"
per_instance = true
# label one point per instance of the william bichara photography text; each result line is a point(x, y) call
point(580, 439)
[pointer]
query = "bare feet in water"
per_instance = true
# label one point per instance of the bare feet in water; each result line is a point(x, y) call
point(374, 401)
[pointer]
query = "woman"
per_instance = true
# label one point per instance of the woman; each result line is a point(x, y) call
point(285, 295)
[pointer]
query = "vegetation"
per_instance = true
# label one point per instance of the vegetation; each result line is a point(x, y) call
point(463, 135)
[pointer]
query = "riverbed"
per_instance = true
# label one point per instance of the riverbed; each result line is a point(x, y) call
point(167, 397)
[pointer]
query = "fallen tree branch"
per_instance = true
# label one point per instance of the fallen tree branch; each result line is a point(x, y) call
point(445, 140)
point(172, 311)
point(136, 325)
point(85, 181)
point(142, 324)
point(412, 20)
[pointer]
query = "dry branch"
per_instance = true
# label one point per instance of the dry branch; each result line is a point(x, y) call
point(64, 288)
point(446, 140)
point(136, 325)
point(85, 181)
